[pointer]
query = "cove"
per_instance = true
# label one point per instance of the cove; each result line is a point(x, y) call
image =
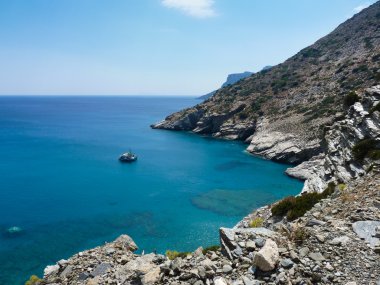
point(62, 184)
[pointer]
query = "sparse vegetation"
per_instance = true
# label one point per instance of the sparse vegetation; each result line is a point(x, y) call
point(360, 68)
point(370, 168)
point(211, 248)
point(283, 207)
point(376, 108)
point(256, 222)
point(368, 43)
point(173, 254)
point(243, 115)
point(33, 280)
point(350, 99)
point(347, 197)
point(374, 154)
point(365, 148)
point(299, 235)
point(295, 207)
point(310, 52)
point(342, 187)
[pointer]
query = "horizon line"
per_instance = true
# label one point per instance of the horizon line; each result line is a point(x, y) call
point(96, 95)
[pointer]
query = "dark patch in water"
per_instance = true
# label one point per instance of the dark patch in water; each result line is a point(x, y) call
point(231, 165)
point(232, 202)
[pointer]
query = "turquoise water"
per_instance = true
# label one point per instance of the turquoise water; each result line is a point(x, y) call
point(60, 180)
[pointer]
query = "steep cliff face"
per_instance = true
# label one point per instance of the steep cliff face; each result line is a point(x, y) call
point(295, 99)
point(351, 146)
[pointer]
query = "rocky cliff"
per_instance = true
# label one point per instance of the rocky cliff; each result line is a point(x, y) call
point(282, 111)
point(342, 140)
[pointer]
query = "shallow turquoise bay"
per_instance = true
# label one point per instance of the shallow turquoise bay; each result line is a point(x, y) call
point(60, 180)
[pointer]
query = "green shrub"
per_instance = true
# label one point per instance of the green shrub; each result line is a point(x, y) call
point(374, 154)
point(360, 68)
point(256, 222)
point(303, 204)
point(376, 108)
point(310, 52)
point(328, 191)
point(173, 254)
point(243, 115)
point(362, 148)
point(370, 168)
point(350, 99)
point(342, 187)
point(376, 57)
point(295, 207)
point(211, 248)
point(283, 207)
point(33, 280)
point(327, 101)
point(368, 43)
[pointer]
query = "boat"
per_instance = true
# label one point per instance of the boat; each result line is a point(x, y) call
point(128, 157)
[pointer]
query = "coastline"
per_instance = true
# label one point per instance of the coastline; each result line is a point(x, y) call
point(284, 249)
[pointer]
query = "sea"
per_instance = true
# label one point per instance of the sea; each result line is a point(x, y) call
point(62, 185)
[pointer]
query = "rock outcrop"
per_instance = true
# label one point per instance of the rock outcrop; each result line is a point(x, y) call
point(338, 163)
point(280, 146)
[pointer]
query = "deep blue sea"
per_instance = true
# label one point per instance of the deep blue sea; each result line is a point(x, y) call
point(61, 182)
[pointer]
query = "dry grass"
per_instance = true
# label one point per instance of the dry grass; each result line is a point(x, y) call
point(256, 222)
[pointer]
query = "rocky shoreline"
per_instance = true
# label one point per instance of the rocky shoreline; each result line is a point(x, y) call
point(336, 242)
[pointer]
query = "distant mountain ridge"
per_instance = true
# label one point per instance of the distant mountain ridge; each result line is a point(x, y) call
point(235, 77)
point(231, 79)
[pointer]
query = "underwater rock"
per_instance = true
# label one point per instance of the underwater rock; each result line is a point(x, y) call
point(13, 231)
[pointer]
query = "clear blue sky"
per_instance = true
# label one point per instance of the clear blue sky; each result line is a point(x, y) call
point(152, 47)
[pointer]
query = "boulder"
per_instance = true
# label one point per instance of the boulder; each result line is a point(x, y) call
point(343, 240)
point(268, 256)
point(101, 269)
point(367, 231)
point(151, 277)
point(316, 256)
point(126, 242)
point(50, 269)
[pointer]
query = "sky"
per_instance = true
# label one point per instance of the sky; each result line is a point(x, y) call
point(152, 47)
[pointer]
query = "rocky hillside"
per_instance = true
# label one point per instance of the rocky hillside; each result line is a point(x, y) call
point(287, 107)
point(351, 145)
